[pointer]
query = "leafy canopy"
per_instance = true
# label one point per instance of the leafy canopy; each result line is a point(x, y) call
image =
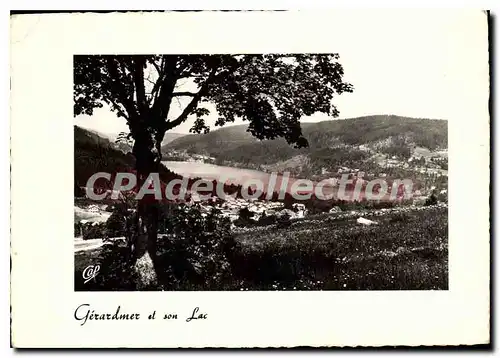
point(272, 91)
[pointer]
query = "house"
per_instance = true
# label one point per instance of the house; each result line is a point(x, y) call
point(286, 212)
point(300, 210)
point(367, 222)
point(93, 209)
point(419, 200)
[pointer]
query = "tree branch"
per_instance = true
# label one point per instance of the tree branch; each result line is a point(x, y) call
point(140, 91)
point(194, 102)
point(161, 105)
point(158, 69)
point(179, 105)
point(117, 108)
point(119, 88)
point(156, 86)
point(183, 94)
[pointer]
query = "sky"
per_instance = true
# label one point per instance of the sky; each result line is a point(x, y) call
point(415, 64)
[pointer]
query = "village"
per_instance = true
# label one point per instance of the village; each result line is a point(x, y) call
point(231, 207)
point(183, 155)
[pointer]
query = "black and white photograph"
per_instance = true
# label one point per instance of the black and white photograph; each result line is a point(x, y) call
point(242, 172)
point(236, 179)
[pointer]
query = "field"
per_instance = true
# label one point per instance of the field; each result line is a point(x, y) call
point(406, 250)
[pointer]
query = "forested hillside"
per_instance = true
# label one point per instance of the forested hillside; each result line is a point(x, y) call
point(94, 153)
point(336, 142)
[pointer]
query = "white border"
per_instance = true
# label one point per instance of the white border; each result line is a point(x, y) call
point(43, 299)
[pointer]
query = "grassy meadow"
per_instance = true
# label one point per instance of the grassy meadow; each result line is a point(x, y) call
point(406, 250)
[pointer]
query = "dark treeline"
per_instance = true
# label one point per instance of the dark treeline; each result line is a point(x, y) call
point(234, 144)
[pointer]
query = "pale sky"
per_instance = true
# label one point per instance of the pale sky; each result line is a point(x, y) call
point(415, 64)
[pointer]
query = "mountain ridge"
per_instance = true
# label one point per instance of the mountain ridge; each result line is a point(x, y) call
point(332, 144)
point(94, 153)
point(126, 147)
point(343, 128)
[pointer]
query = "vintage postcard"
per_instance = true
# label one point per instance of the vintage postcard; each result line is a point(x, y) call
point(250, 179)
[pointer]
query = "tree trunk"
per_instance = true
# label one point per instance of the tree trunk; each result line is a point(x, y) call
point(144, 243)
point(144, 250)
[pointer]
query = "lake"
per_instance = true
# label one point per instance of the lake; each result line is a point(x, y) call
point(238, 176)
point(246, 177)
point(215, 172)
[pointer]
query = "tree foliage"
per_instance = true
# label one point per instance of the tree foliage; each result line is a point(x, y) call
point(270, 91)
point(197, 247)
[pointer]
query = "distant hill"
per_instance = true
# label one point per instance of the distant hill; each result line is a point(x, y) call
point(94, 153)
point(169, 137)
point(428, 133)
point(331, 143)
point(213, 142)
point(126, 147)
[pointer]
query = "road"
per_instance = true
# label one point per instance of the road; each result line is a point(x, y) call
point(92, 244)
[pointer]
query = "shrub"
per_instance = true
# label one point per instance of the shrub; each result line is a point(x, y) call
point(431, 200)
point(110, 208)
point(284, 221)
point(196, 248)
point(115, 274)
point(443, 198)
point(266, 220)
point(245, 218)
point(400, 217)
point(116, 225)
point(94, 231)
point(78, 229)
point(195, 252)
point(78, 191)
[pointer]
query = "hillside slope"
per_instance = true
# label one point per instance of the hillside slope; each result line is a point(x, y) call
point(429, 133)
point(94, 153)
point(331, 143)
point(170, 137)
point(226, 138)
point(126, 147)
